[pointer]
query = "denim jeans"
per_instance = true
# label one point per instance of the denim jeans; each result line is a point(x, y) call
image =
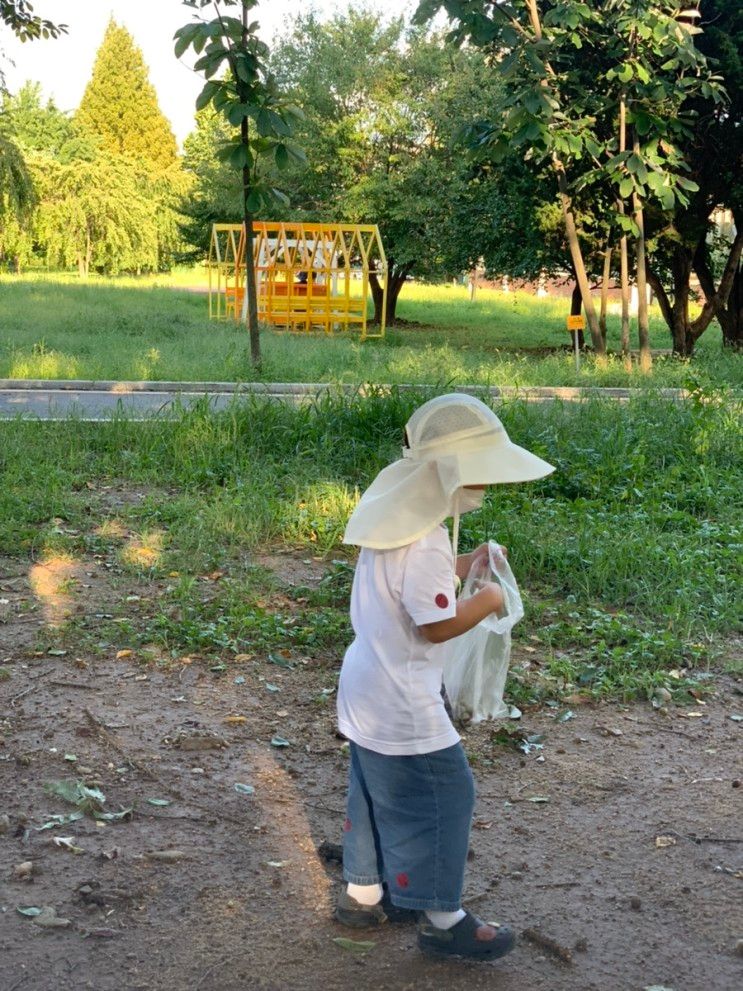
point(408, 823)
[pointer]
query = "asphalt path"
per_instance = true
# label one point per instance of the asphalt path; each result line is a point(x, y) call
point(88, 404)
point(59, 400)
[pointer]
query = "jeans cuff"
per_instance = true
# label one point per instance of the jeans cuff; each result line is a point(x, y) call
point(424, 904)
point(362, 878)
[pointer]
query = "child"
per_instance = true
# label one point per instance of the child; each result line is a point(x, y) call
point(411, 792)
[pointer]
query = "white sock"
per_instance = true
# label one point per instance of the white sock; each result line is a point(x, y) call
point(445, 920)
point(365, 894)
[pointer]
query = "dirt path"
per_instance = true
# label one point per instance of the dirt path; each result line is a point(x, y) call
point(248, 906)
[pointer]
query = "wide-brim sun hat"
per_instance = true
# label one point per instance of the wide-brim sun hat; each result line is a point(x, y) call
point(453, 441)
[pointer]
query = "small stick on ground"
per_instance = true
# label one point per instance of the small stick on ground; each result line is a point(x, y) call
point(560, 884)
point(548, 944)
point(713, 839)
point(143, 769)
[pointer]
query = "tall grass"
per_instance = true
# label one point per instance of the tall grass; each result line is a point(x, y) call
point(58, 327)
point(641, 518)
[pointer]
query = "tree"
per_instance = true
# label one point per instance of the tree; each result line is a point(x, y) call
point(36, 127)
point(685, 239)
point(96, 215)
point(17, 200)
point(248, 97)
point(215, 194)
point(568, 70)
point(382, 106)
point(20, 17)
point(120, 104)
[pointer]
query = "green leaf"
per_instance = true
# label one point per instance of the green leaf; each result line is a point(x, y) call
point(355, 945)
point(31, 911)
point(207, 94)
point(240, 157)
point(159, 801)
point(255, 201)
point(244, 789)
point(282, 156)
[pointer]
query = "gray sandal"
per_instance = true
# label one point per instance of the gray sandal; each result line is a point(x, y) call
point(470, 937)
point(351, 913)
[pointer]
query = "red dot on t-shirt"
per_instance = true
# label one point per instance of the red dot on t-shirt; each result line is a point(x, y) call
point(402, 880)
point(441, 601)
point(347, 826)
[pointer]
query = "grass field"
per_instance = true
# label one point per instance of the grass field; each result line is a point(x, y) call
point(151, 328)
point(629, 554)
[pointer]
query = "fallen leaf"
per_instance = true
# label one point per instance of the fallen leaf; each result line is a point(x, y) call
point(31, 911)
point(356, 945)
point(234, 720)
point(280, 661)
point(48, 919)
point(240, 680)
point(55, 821)
point(244, 789)
point(664, 841)
point(279, 741)
point(538, 799)
point(121, 654)
point(168, 856)
point(158, 801)
point(24, 871)
point(67, 843)
point(272, 688)
point(278, 863)
point(482, 824)
point(566, 716)
point(736, 718)
point(56, 653)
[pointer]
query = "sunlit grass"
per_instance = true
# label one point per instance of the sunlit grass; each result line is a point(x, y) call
point(151, 328)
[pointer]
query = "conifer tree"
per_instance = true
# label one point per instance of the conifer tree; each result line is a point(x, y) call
point(120, 104)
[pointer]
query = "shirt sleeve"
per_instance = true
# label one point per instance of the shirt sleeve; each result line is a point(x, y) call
point(428, 583)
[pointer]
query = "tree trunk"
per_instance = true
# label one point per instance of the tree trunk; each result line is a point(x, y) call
point(624, 289)
point(726, 301)
point(643, 331)
point(577, 258)
point(731, 316)
point(567, 211)
point(250, 302)
point(623, 260)
point(576, 305)
point(605, 279)
point(396, 277)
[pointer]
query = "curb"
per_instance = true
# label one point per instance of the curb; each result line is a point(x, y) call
point(277, 389)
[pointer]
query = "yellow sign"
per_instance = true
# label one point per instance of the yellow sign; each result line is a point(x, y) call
point(576, 322)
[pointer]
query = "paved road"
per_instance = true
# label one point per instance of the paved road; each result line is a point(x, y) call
point(59, 404)
point(57, 400)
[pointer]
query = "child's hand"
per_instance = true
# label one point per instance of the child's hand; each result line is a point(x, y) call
point(494, 594)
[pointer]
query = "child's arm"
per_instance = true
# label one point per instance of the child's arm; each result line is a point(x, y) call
point(469, 613)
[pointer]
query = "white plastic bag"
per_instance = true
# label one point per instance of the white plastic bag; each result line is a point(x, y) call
point(477, 663)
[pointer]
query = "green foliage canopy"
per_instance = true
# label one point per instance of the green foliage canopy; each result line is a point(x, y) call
point(120, 105)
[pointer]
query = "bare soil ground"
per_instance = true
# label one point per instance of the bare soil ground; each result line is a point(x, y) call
point(627, 870)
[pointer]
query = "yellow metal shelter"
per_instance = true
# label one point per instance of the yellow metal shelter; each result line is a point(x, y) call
point(309, 277)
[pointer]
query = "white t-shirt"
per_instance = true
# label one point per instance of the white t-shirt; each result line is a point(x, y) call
point(389, 694)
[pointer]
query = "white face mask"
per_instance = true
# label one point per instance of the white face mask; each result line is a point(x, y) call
point(466, 500)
